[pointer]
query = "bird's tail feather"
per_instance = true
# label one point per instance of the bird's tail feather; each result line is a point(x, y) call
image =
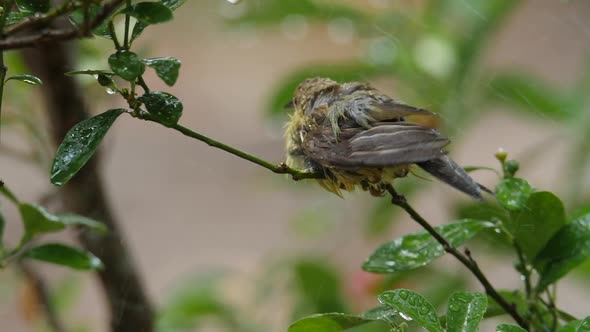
point(449, 172)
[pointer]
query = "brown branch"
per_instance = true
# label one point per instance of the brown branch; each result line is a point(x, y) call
point(43, 296)
point(466, 259)
point(129, 306)
point(54, 35)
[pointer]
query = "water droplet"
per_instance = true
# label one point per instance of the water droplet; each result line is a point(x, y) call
point(110, 91)
point(454, 307)
point(404, 316)
point(522, 277)
point(233, 2)
point(424, 310)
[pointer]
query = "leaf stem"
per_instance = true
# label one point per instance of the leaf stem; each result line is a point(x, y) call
point(127, 22)
point(465, 259)
point(114, 35)
point(281, 168)
point(7, 6)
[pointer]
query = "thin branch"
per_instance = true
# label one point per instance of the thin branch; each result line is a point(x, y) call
point(281, 168)
point(54, 35)
point(466, 259)
point(43, 296)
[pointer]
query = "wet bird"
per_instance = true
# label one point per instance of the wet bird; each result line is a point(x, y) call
point(359, 137)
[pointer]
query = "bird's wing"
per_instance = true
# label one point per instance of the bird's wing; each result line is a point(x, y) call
point(388, 109)
point(386, 144)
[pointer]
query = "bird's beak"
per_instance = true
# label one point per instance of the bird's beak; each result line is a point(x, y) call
point(289, 104)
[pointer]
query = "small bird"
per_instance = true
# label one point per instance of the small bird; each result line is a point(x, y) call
point(358, 137)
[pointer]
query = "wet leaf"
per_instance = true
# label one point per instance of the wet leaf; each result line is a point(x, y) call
point(513, 193)
point(149, 12)
point(576, 326)
point(164, 106)
point(29, 79)
point(33, 6)
point(166, 68)
point(173, 4)
point(71, 219)
point(64, 255)
point(536, 223)
point(90, 72)
point(568, 248)
point(80, 144)
point(16, 17)
point(465, 311)
point(126, 64)
point(509, 328)
point(331, 322)
point(418, 249)
point(38, 221)
point(414, 306)
point(137, 30)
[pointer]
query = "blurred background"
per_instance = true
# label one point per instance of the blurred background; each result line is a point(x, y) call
point(224, 245)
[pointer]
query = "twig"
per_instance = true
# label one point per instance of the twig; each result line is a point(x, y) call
point(281, 168)
point(466, 259)
point(43, 296)
point(53, 35)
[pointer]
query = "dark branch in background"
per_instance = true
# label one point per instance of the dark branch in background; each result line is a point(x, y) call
point(466, 259)
point(36, 38)
point(43, 297)
point(129, 306)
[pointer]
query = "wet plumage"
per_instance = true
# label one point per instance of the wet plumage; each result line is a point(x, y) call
point(358, 137)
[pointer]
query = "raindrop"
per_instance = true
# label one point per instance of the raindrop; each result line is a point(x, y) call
point(454, 307)
point(403, 294)
point(110, 91)
point(233, 2)
point(404, 316)
point(424, 310)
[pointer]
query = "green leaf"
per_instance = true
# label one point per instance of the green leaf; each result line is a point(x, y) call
point(166, 68)
point(29, 79)
point(90, 72)
point(38, 221)
point(513, 193)
point(319, 286)
point(414, 306)
point(34, 6)
point(509, 328)
point(165, 107)
point(330, 322)
point(64, 255)
point(77, 18)
point(342, 72)
point(71, 219)
point(126, 64)
point(173, 4)
point(465, 311)
point(576, 326)
point(16, 17)
point(533, 226)
point(528, 94)
point(149, 12)
point(418, 249)
point(568, 248)
point(138, 28)
point(80, 144)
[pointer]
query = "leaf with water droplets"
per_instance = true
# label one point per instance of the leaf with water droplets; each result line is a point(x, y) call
point(80, 144)
point(149, 12)
point(29, 79)
point(166, 68)
point(512, 193)
point(64, 255)
point(568, 248)
point(414, 306)
point(509, 328)
point(415, 250)
point(164, 106)
point(465, 311)
point(330, 322)
point(532, 227)
point(126, 64)
point(33, 6)
point(576, 326)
